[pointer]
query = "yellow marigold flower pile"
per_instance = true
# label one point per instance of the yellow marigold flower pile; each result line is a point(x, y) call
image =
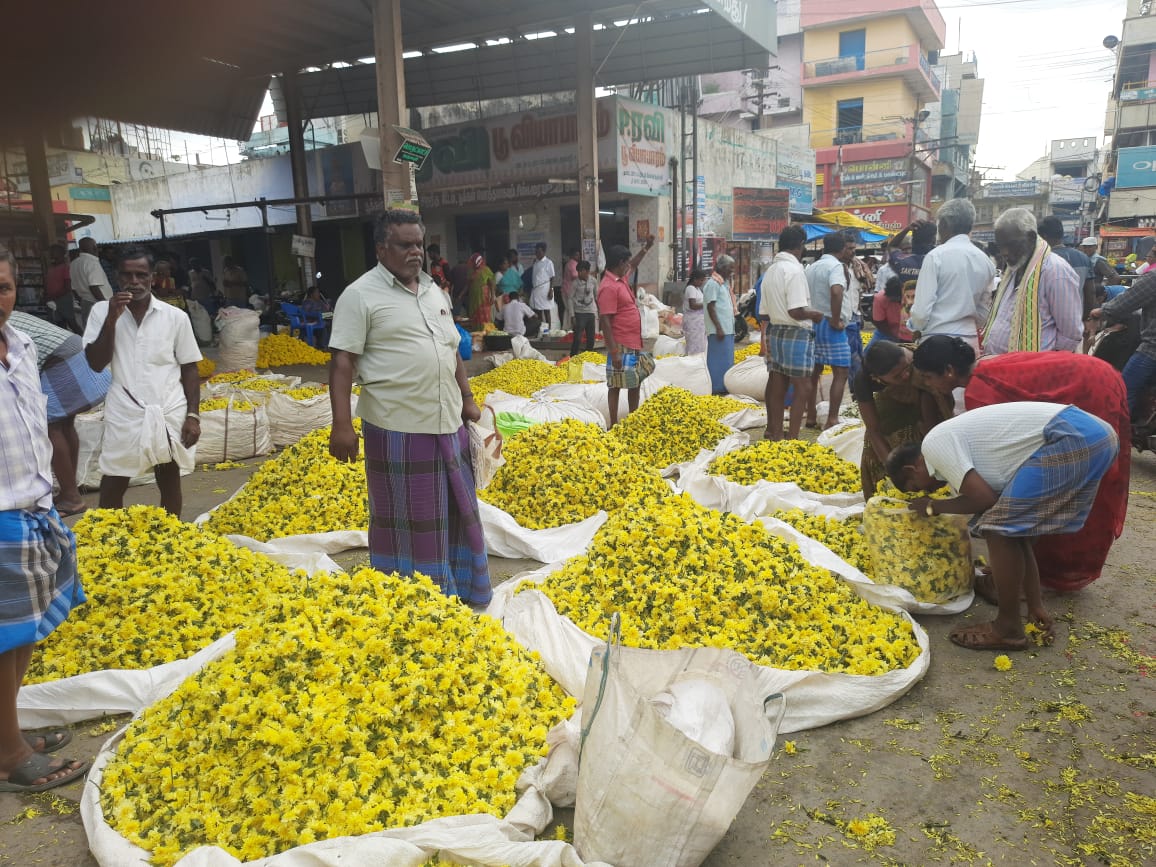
point(885, 489)
point(589, 357)
point(361, 703)
point(563, 472)
point(809, 465)
point(233, 376)
point(842, 537)
point(305, 392)
point(205, 368)
point(302, 490)
point(683, 575)
point(720, 406)
point(215, 403)
point(745, 352)
point(158, 590)
point(522, 376)
point(260, 385)
point(277, 350)
point(669, 428)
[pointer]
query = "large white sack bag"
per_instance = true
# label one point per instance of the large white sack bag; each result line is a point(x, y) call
point(753, 416)
point(202, 323)
point(291, 419)
point(664, 345)
point(231, 434)
point(97, 694)
point(542, 408)
point(497, 359)
point(649, 796)
point(240, 332)
point(814, 698)
point(688, 371)
point(651, 327)
point(761, 498)
point(748, 378)
point(505, 537)
point(522, 349)
point(846, 438)
point(887, 595)
point(90, 434)
point(475, 839)
point(223, 389)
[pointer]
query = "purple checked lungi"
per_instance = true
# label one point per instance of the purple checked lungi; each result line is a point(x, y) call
point(423, 510)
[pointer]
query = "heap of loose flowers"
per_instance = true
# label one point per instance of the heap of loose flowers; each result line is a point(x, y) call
point(809, 465)
point(745, 352)
point(929, 556)
point(304, 392)
point(158, 590)
point(361, 703)
point(205, 368)
point(720, 406)
point(671, 427)
point(589, 357)
point(209, 404)
point(277, 350)
point(683, 575)
point(563, 472)
point(522, 377)
point(231, 377)
point(302, 490)
point(842, 537)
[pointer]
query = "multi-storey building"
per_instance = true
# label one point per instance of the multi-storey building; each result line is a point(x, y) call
point(1131, 120)
point(954, 126)
point(867, 81)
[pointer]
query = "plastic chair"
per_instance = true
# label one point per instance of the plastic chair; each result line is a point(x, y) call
point(300, 321)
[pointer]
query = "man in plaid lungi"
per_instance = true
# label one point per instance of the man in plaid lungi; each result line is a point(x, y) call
point(394, 328)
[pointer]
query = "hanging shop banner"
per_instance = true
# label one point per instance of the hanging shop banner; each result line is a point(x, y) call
point(1012, 190)
point(888, 219)
point(643, 148)
point(795, 173)
point(759, 214)
point(874, 171)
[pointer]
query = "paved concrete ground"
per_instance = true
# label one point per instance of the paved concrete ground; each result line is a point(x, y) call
point(1051, 763)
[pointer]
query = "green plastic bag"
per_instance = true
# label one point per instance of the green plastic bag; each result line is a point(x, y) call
point(511, 423)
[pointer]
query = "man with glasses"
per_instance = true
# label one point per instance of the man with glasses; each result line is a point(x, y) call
point(150, 415)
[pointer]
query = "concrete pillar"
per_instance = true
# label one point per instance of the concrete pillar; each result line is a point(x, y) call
point(40, 189)
point(387, 50)
point(587, 140)
point(296, 125)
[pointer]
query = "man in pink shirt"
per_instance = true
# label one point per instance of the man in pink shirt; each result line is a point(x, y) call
point(626, 363)
point(569, 275)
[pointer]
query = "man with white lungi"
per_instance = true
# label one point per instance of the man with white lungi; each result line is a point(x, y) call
point(150, 414)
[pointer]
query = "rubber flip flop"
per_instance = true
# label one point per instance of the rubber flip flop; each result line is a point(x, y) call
point(22, 778)
point(983, 637)
point(54, 739)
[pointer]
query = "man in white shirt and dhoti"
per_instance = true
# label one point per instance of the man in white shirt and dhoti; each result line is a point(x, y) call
point(150, 414)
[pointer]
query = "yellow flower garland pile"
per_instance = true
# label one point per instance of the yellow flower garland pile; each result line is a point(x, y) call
point(563, 472)
point(669, 428)
point(522, 376)
point(683, 575)
point(842, 537)
point(205, 368)
point(276, 350)
point(210, 404)
point(809, 465)
point(363, 702)
point(158, 590)
point(302, 490)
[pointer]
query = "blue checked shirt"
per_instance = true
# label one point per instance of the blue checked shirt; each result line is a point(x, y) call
point(25, 453)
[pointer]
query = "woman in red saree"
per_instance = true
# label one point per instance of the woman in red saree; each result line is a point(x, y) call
point(1074, 560)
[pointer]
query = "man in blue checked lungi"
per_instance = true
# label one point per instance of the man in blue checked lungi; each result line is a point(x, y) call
point(394, 329)
point(1025, 470)
point(38, 581)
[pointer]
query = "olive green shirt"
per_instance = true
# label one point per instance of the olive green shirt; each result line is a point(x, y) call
point(407, 352)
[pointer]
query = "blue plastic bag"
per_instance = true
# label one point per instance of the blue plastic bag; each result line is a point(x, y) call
point(465, 345)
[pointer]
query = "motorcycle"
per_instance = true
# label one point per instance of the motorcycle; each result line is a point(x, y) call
point(745, 308)
point(1116, 344)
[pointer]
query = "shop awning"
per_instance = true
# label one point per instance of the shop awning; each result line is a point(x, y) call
point(1127, 231)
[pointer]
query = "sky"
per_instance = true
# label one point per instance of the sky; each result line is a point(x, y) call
point(1046, 72)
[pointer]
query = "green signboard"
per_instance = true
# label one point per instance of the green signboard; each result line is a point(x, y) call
point(414, 148)
point(90, 194)
point(755, 18)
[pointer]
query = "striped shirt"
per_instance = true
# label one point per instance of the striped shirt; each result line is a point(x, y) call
point(1061, 294)
point(47, 337)
point(25, 454)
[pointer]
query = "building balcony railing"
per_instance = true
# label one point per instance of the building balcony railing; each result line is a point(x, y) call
point(1135, 92)
point(907, 61)
point(870, 133)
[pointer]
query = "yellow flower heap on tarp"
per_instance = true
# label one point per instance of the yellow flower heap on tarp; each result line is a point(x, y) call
point(811, 466)
point(522, 377)
point(302, 490)
point(364, 702)
point(671, 427)
point(277, 350)
point(720, 406)
point(589, 357)
point(215, 403)
point(158, 590)
point(745, 352)
point(842, 537)
point(683, 575)
point(563, 472)
point(232, 376)
point(205, 368)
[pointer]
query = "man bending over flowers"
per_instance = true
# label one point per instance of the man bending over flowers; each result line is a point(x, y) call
point(1026, 470)
point(394, 328)
point(38, 581)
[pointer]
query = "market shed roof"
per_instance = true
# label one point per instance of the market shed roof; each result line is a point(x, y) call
point(204, 67)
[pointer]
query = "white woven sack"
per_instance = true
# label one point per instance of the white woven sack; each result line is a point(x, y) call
point(232, 434)
point(239, 335)
point(664, 345)
point(202, 323)
point(523, 349)
point(748, 378)
point(846, 439)
point(542, 408)
point(290, 419)
point(688, 371)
